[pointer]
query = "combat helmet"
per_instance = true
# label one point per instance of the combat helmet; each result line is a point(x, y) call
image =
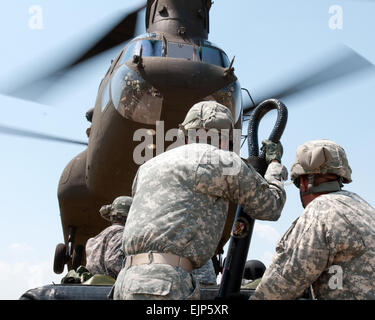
point(321, 157)
point(207, 115)
point(118, 210)
point(254, 269)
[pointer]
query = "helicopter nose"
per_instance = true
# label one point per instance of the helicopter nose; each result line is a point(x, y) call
point(140, 90)
point(175, 77)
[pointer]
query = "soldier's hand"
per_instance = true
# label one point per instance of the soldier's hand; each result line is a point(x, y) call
point(273, 151)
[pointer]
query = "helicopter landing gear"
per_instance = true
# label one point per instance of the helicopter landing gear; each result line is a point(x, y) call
point(61, 258)
point(66, 253)
point(77, 256)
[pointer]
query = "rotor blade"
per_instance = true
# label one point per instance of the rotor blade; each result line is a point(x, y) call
point(321, 73)
point(120, 33)
point(36, 135)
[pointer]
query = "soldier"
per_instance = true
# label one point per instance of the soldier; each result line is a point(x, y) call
point(180, 202)
point(331, 246)
point(104, 254)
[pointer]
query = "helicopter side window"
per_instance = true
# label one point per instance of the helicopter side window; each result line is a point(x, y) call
point(150, 48)
point(224, 59)
point(180, 50)
point(214, 56)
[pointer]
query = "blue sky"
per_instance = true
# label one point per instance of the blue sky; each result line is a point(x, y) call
point(272, 41)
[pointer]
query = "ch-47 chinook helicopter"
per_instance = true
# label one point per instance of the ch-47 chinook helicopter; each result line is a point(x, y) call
point(157, 76)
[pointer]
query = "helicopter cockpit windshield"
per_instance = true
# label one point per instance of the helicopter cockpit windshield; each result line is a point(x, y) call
point(153, 47)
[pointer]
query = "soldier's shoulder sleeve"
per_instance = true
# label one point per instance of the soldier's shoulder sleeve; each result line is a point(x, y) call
point(263, 198)
point(226, 175)
point(212, 171)
point(302, 255)
point(343, 232)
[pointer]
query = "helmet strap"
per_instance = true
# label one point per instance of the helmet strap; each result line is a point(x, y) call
point(315, 191)
point(331, 186)
point(311, 179)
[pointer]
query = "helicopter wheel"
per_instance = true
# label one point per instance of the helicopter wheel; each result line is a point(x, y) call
point(60, 258)
point(77, 256)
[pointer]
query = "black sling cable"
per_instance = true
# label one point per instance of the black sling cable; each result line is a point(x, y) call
point(243, 224)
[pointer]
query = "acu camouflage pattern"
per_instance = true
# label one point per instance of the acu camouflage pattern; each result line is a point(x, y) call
point(158, 287)
point(207, 115)
point(206, 275)
point(180, 202)
point(155, 282)
point(117, 212)
point(104, 254)
point(336, 229)
point(321, 157)
point(122, 205)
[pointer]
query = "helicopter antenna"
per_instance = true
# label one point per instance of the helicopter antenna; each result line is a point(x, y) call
point(251, 98)
point(230, 69)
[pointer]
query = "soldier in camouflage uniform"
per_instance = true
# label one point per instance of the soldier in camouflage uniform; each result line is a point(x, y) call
point(180, 203)
point(104, 254)
point(331, 246)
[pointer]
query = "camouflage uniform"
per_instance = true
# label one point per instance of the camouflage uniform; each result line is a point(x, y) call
point(104, 253)
point(206, 275)
point(180, 202)
point(331, 246)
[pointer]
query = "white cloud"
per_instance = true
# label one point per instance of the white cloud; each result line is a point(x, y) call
point(17, 278)
point(266, 232)
point(267, 258)
point(20, 248)
point(22, 268)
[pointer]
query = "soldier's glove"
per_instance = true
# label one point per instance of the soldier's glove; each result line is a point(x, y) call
point(273, 151)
